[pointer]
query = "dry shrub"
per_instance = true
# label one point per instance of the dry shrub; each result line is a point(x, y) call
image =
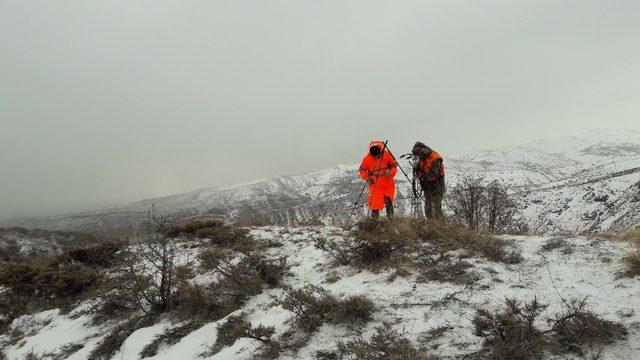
point(170, 337)
point(374, 243)
point(214, 230)
point(313, 306)
point(378, 244)
point(511, 333)
point(238, 282)
point(189, 228)
point(631, 262)
point(394, 241)
point(632, 266)
point(448, 237)
point(237, 326)
point(110, 305)
point(103, 254)
point(385, 344)
point(112, 342)
point(576, 327)
point(440, 267)
point(210, 257)
point(198, 303)
point(557, 243)
point(43, 280)
point(223, 235)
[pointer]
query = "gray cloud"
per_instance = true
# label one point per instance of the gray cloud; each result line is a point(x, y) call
point(106, 102)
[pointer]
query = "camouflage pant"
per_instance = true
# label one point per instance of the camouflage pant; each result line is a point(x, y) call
point(375, 214)
point(433, 205)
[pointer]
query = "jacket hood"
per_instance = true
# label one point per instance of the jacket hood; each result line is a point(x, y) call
point(377, 143)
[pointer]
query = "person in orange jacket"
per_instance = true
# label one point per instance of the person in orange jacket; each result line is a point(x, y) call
point(430, 170)
point(379, 168)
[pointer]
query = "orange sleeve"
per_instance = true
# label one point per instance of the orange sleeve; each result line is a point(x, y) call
point(364, 171)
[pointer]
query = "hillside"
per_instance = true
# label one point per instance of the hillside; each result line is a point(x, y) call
point(434, 311)
point(590, 182)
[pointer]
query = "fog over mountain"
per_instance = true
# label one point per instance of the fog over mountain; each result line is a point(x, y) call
point(106, 102)
point(587, 182)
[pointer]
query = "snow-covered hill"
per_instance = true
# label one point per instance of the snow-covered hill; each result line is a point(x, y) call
point(588, 182)
point(433, 315)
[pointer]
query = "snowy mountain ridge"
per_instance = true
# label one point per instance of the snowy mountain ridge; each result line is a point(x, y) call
point(588, 182)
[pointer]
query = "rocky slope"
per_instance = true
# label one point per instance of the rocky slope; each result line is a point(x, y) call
point(590, 182)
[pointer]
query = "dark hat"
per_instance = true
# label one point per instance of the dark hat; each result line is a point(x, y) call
point(420, 149)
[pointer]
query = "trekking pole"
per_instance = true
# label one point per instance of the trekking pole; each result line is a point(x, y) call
point(366, 183)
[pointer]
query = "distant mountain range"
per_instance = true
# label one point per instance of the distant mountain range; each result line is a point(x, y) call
point(588, 182)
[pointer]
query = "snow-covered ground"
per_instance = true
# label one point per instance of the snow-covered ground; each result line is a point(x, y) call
point(410, 306)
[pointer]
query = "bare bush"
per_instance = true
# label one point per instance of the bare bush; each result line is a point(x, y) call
point(438, 266)
point(467, 201)
point(500, 209)
point(102, 254)
point(313, 306)
point(375, 243)
point(479, 206)
point(576, 327)
point(112, 342)
point(512, 333)
point(237, 326)
point(170, 337)
point(150, 276)
point(386, 344)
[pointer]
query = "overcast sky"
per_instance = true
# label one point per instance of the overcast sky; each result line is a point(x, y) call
point(107, 102)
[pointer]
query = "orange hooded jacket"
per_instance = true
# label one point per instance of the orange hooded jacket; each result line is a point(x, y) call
point(381, 170)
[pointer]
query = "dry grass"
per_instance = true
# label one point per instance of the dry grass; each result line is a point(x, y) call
point(394, 242)
point(449, 236)
point(632, 265)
